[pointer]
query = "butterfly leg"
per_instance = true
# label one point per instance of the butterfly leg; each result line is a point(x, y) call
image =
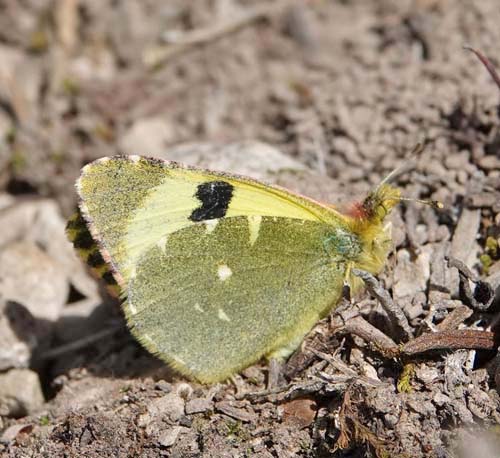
point(346, 284)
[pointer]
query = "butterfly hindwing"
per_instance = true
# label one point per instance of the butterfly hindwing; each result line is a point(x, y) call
point(214, 302)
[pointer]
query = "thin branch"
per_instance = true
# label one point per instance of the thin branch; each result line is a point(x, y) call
point(79, 344)
point(452, 340)
point(394, 312)
point(159, 55)
point(358, 326)
point(487, 63)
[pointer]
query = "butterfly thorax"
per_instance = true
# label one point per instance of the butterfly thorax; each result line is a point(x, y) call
point(342, 244)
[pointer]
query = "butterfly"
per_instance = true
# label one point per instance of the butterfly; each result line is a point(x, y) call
point(217, 270)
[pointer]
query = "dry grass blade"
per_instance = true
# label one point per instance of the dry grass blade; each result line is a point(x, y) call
point(487, 63)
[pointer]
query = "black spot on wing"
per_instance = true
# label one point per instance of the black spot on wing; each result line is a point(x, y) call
point(83, 240)
point(108, 278)
point(94, 259)
point(215, 197)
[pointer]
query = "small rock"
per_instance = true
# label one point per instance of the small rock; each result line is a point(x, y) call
point(410, 277)
point(198, 405)
point(168, 438)
point(40, 221)
point(32, 278)
point(480, 404)
point(427, 374)
point(391, 420)
point(489, 162)
point(423, 407)
point(147, 136)
point(239, 414)
point(171, 406)
point(33, 289)
point(21, 78)
point(13, 431)
point(251, 158)
point(143, 420)
point(463, 244)
point(463, 413)
point(20, 392)
point(300, 411)
point(185, 421)
point(440, 399)
point(164, 386)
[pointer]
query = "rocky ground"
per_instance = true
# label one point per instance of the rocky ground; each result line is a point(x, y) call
point(324, 97)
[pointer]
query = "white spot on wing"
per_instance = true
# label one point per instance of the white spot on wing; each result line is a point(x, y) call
point(148, 338)
point(222, 315)
point(133, 272)
point(162, 244)
point(210, 224)
point(224, 272)
point(198, 307)
point(254, 227)
point(103, 160)
point(178, 360)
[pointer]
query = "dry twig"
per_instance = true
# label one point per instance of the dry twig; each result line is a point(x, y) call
point(159, 55)
point(487, 63)
point(451, 340)
point(395, 314)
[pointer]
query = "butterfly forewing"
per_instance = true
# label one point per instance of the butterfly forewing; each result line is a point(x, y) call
point(132, 203)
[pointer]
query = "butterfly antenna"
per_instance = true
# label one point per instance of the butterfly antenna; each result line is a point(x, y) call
point(436, 204)
point(409, 163)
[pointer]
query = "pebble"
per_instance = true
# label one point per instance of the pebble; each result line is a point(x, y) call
point(198, 405)
point(20, 393)
point(168, 437)
point(170, 406)
point(150, 135)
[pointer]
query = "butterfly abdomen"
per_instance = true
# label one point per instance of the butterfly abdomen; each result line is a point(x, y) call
point(88, 250)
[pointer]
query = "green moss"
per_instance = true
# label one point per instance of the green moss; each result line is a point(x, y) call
point(18, 161)
point(404, 382)
point(70, 86)
point(486, 262)
point(104, 132)
point(235, 431)
point(10, 135)
point(491, 246)
point(38, 41)
point(491, 253)
point(57, 157)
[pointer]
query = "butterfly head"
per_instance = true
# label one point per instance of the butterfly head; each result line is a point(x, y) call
point(368, 220)
point(376, 206)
